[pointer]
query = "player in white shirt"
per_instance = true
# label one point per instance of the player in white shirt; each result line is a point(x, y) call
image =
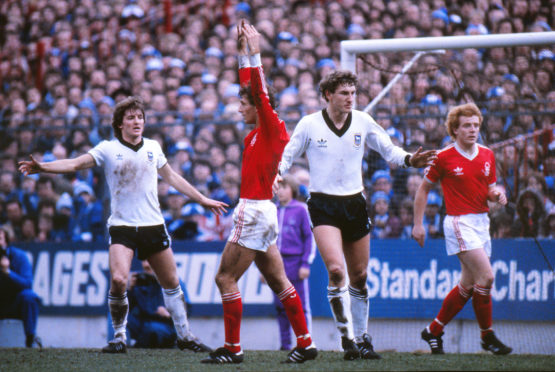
point(334, 140)
point(131, 164)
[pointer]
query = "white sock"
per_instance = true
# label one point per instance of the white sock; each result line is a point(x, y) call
point(359, 310)
point(175, 303)
point(119, 308)
point(339, 303)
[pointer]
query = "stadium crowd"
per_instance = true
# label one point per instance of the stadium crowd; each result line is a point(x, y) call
point(64, 64)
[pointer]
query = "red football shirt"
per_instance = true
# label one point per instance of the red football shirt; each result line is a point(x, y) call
point(465, 181)
point(264, 145)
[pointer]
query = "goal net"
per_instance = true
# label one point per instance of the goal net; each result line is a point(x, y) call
point(408, 85)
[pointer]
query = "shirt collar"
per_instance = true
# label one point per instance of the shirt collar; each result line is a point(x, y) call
point(136, 147)
point(469, 155)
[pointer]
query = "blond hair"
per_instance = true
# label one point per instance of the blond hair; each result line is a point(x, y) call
point(468, 109)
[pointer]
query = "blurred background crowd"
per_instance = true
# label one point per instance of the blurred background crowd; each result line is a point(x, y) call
point(64, 64)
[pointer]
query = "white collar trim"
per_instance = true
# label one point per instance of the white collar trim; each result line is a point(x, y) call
point(469, 156)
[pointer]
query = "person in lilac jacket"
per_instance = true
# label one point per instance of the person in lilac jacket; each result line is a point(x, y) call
point(296, 245)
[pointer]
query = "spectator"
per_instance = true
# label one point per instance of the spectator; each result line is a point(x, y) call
point(149, 323)
point(384, 224)
point(530, 214)
point(406, 216)
point(17, 299)
point(14, 214)
point(29, 229)
point(432, 219)
point(89, 215)
point(549, 225)
point(296, 245)
point(537, 182)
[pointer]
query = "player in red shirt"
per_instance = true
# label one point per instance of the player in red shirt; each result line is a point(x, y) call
point(255, 225)
point(466, 172)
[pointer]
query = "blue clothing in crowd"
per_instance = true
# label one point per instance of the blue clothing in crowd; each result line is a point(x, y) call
point(17, 299)
point(144, 324)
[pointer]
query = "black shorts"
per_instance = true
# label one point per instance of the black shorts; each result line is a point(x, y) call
point(143, 240)
point(348, 213)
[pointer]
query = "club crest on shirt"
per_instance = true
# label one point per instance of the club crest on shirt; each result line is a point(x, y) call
point(322, 143)
point(150, 155)
point(358, 140)
point(458, 171)
point(486, 169)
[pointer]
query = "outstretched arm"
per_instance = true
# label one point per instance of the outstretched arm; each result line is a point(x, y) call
point(57, 166)
point(184, 187)
point(421, 159)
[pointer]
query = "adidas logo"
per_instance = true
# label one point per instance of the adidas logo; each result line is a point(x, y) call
point(322, 142)
point(458, 171)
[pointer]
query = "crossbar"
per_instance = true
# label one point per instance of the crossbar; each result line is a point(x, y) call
point(350, 48)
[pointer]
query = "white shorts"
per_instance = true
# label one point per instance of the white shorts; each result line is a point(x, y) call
point(467, 232)
point(255, 224)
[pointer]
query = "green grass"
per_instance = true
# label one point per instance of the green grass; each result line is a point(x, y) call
point(19, 359)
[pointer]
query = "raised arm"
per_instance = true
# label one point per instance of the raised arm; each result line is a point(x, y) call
point(270, 123)
point(57, 166)
point(243, 55)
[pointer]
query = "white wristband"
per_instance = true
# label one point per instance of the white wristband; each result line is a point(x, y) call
point(243, 61)
point(255, 60)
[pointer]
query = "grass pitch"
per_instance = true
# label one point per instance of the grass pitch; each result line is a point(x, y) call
point(20, 359)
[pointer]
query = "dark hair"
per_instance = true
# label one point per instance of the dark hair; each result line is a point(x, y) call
point(246, 91)
point(130, 103)
point(335, 79)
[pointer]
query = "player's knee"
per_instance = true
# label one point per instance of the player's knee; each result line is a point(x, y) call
point(222, 280)
point(487, 280)
point(119, 283)
point(336, 274)
point(358, 280)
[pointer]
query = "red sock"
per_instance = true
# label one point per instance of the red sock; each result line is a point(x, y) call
point(452, 304)
point(294, 309)
point(233, 310)
point(481, 301)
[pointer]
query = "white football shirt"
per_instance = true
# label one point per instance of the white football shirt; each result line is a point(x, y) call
point(132, 176)
point(335, 156)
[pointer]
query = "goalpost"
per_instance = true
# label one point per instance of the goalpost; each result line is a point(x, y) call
point(350, 48)
point(425, 45)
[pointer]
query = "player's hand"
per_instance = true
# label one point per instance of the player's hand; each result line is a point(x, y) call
point(253, 38)
point(216, 206)
point(496, 195)
point(419, 234)
point(28, 167)
point(304, 272)
point(275, 185)
point(241, 39)
point(421, 159)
